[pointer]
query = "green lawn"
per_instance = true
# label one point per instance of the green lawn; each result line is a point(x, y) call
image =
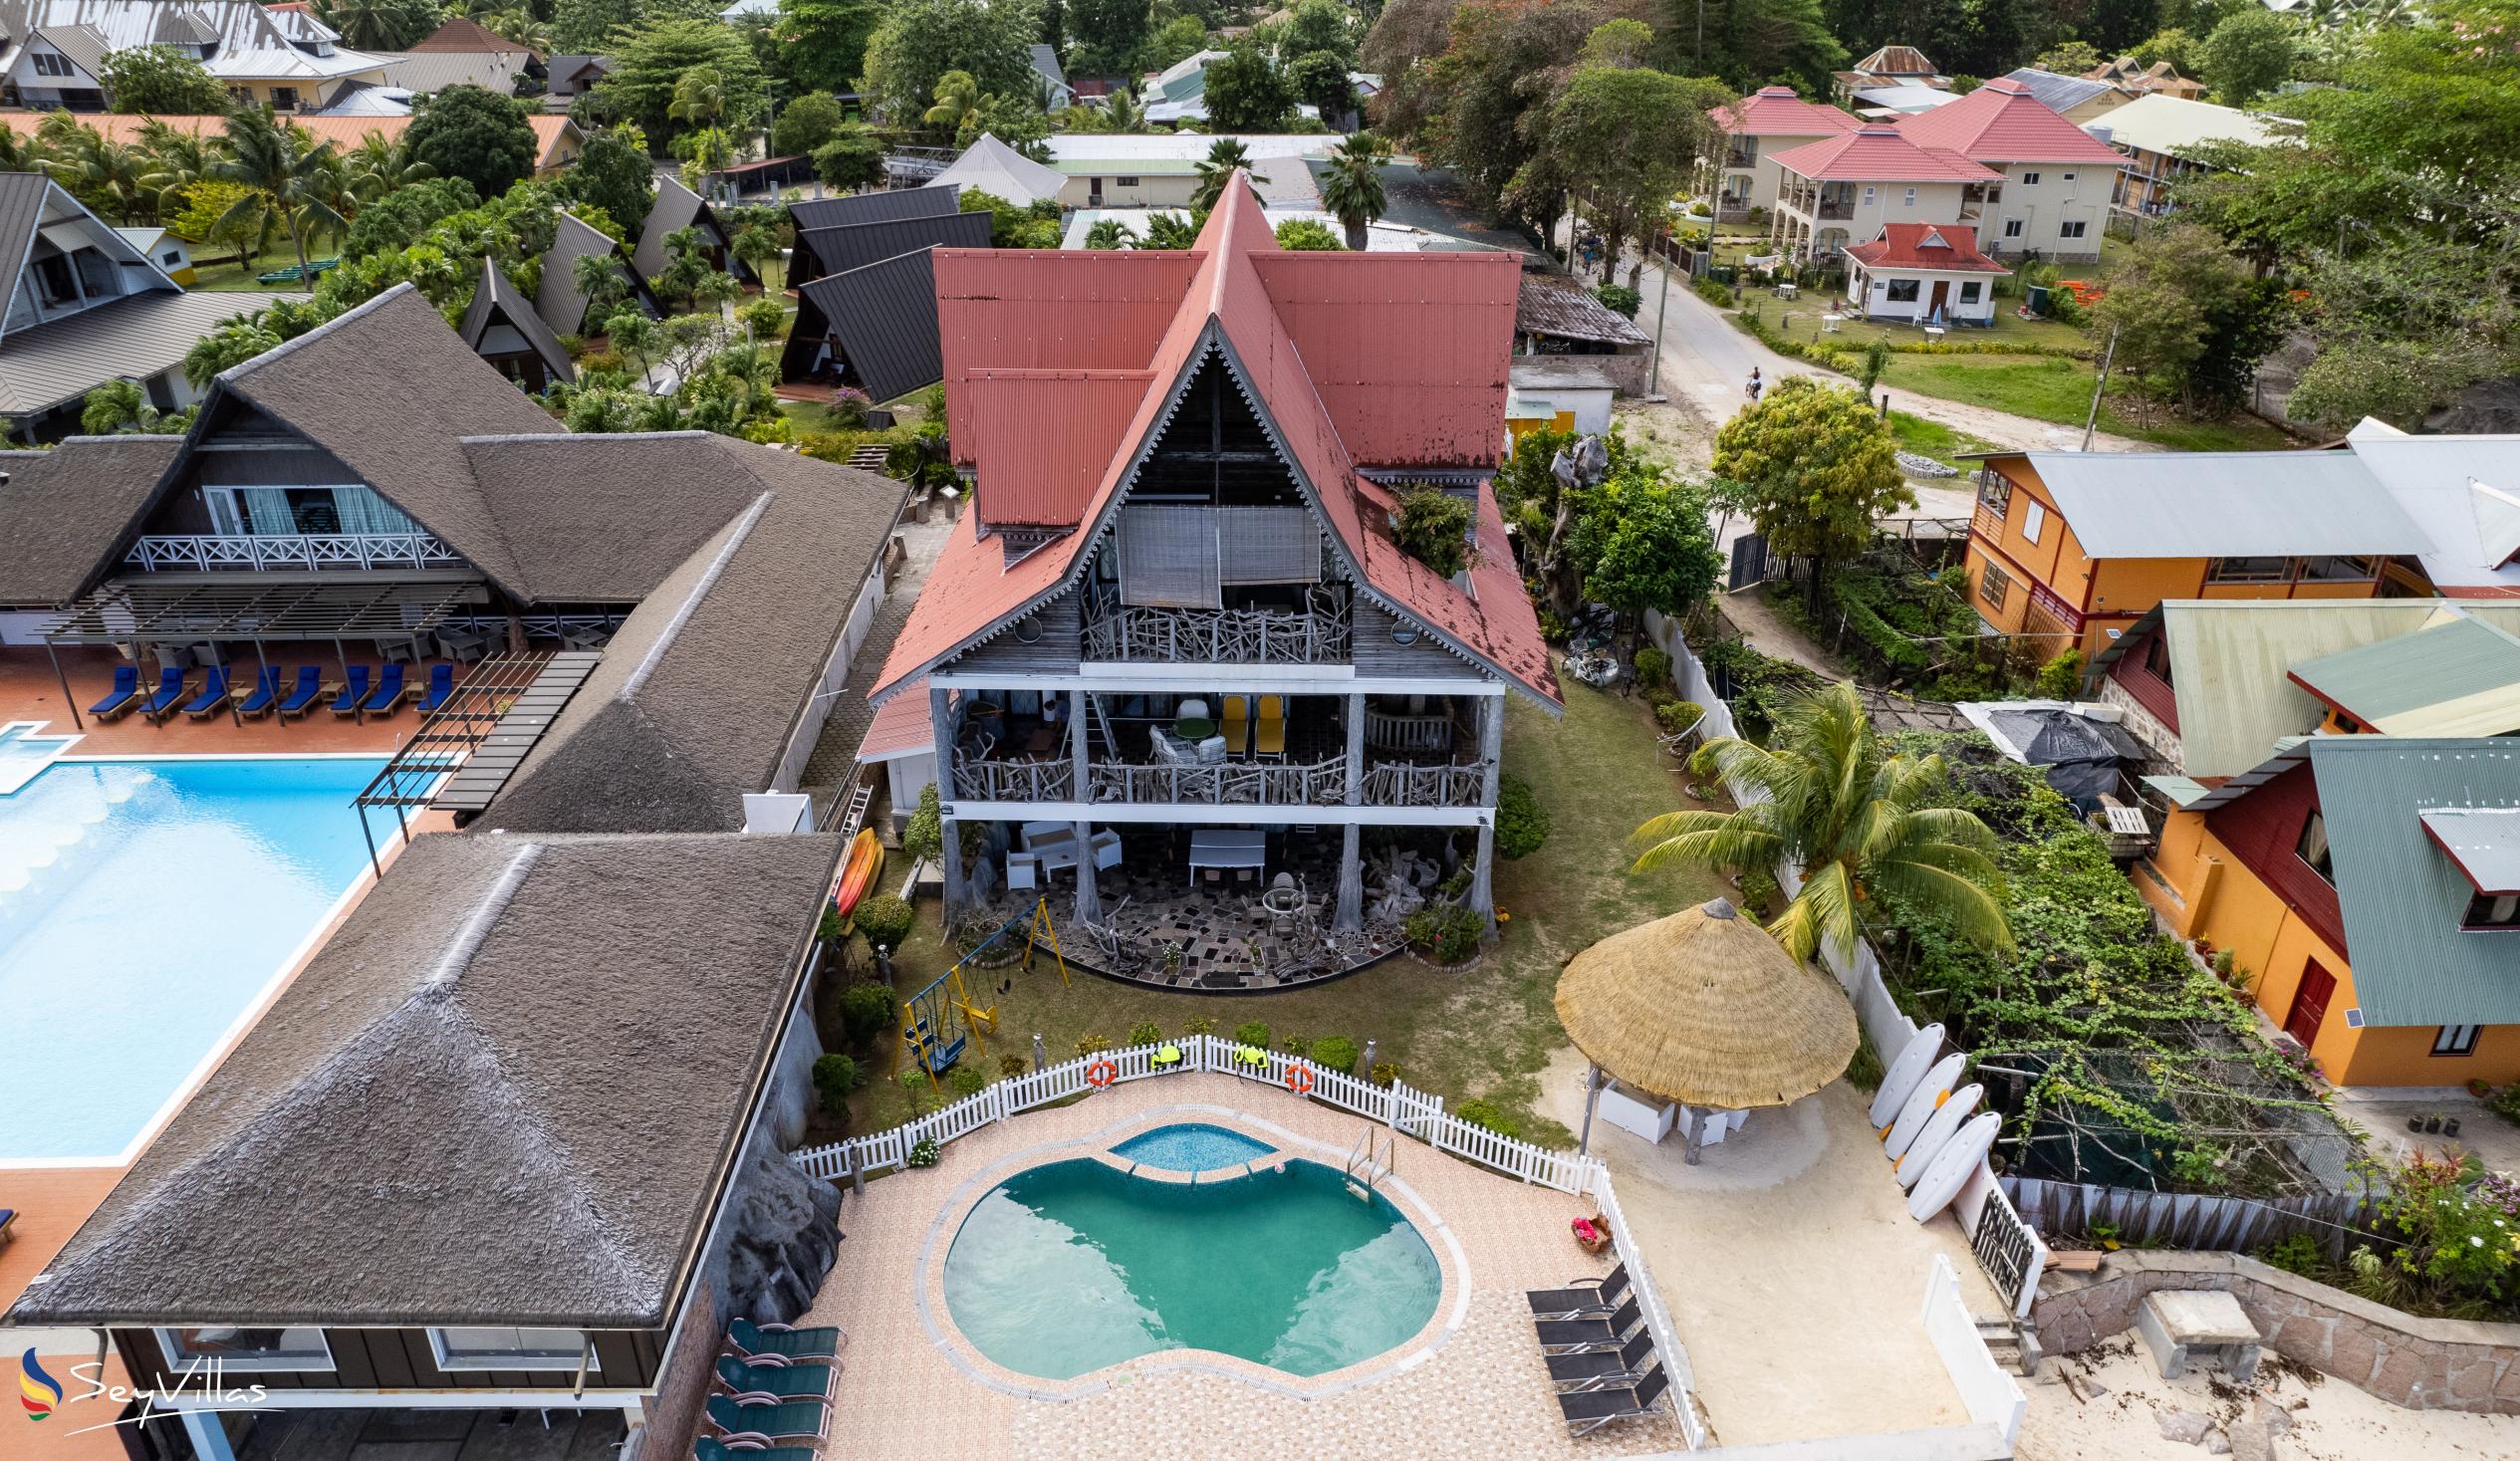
point(811, 416)
point(217, 270)
point(1932, 438)
point(1484, 1034)
point(2046, 388)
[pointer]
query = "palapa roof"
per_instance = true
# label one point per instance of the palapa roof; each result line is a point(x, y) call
point(495, 301)
point(1706, 1009)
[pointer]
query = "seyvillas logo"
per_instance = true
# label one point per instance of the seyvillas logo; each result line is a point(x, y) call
point(38, 1391)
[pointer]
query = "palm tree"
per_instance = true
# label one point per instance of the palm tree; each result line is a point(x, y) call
point(1122, 112)
point(107, 176)
point(1225, 156)
point(177, 161)
point(1352, 184)
point(1845, 810)
point(1170, 231)
point(957, 97)
point(699, 96)
point(378, 167)
point(117, 405)
point(600, 279)
point(19, 152)
point(370, 25)
point(287, 174)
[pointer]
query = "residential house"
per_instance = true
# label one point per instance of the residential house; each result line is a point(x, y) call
point(423, 73)
point(167, 249)
point(572, 76)
point(1891, 66)
point(559, 297)
point(815, 220)
point(1922, 273)
point(1769, 121)
point(2056, 179)
point(2161, 136)
point(1161, 170)
point(2080, 100)
point(88, 305)
point(53, 51)
point(558, 140)
point(464, 36)
point(869, 320)
point(991, 166)
point(677, 207)
point(1052, 79)
point(501, 327)
point(1174, 601)
point(2464, 492)
point(2160, 79)
point(1555, 317)
point(1179, 92)
point(2370, 887)
point(1847, 189)
point(1558, 393)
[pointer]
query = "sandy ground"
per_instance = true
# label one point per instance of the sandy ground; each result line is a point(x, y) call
point(1795, 1272)
point(2124, 1400)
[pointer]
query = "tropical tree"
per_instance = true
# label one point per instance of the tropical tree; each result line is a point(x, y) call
point(806, 124)
point(851, 160)
point(600, 279)
point(473, 133)
point(2248, 56)
point(1246, 92)
point(825, 45)
point(377, 167)
point(699, 96)
point(918, 41)
point(1109, 233)
point(289, 175)
point(232, 342)
point(1849, 815)
point(117, 405)
point(1121, 112)
point(1170, 231)
point(379, 25)
point(1225, 156)
point(1308, 235)
point(112, 177)
point(651, 66)
point(1818, 467)
point(160, 80)
point(957, 97)
point(615, 174)
point(1352, 184)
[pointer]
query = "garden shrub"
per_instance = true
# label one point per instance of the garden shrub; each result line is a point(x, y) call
point(2061, 679)
point(885, 921)
point(1253, 1033)
point(926, 1152)
point(1203, 1025)
point(848, 407)
point(1552, 629)
point(1434, 527)
point(1713, 293)
point(1522, 824)
point(835, 1076)
point(967, 1080)
point(1864, 1073)
point(1093, 1044)
point(923, 841)
point(2295, 1252)
point(1385, 1073)
point(916, 1086)
point(1621, 298)
point(2505, 1102)
point(1488, 1117)
point(1011, 1065)
point(598, 361)
point(1296, 1046)
point(1675, 716)
point(867, 1010)
point(2460, 1230)
point(1447, 933)
point(1144, 1033)
point(1654, 670)
point(827, 927)
point(1338, 1053)
point(1760, 893)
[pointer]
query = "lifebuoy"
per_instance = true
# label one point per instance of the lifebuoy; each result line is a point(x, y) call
point(1101, 1074)
point(1299, 1080)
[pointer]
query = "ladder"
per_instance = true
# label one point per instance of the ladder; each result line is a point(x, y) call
point(1369, 1161)
point(852, 811)
point(1102, 724)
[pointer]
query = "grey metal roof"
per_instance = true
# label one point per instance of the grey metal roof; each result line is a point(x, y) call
point(675, 207)
point(886, 317)
point(424, 71)
point(22, 201)
point(558, 298)
point(875, 207)
point(85, 45)
point(2454, 676)
point(495, 301)
point(2484, 841)
point(836, 250)
point(2401, 894)
point(2059, 93)
point(509, 1089)
point(1566, 309)
point(2224, 504)
point(132, 338)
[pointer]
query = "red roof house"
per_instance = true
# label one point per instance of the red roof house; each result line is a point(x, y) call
point(1877, 153)
point(1925, 246)
point(1779, 111)
point(2002, 122)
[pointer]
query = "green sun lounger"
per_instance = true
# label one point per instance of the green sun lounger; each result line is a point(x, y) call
point(773, 1383)
point(710, 1448)
point(793, 1420)
point(778, 1341)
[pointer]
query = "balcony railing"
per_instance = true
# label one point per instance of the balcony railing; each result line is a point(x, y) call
point(1385, 731)
point(1835, 208)
point(1015, 781)
point(1218, 637)
point(299, 552)
point(1227, 784)
point(1392, 784)
point(1223, 784)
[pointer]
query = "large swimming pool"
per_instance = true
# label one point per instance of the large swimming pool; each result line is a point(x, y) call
point(143, 907)
point(1076, 1265)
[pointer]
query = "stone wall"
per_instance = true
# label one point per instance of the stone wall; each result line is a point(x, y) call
point(2140, 723)
point(2420, 1363)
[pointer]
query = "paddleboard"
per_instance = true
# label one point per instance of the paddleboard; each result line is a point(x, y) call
point(1903, 1073)
point(1946, 1120)
point(1950, 1169)
point(857, 874)
point(1922, 1103)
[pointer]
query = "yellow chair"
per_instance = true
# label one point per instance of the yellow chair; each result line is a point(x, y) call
point(1271, 738)
point(1236, 726)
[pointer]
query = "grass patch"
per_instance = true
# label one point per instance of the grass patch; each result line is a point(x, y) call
point(1932, 438)
point(2046, 388)
point(1483, 1034)
point(813, 417)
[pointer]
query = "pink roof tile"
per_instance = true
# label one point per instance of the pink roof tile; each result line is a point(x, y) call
point(1878, 153)
point(2001, 121)
point(1775, 112)
point(899, 727)
point(1059, 310)
point(1038, 441)
point(1947, 246)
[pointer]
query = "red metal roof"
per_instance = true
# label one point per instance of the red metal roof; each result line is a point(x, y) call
point(1406, 349)
point(899, 727)
point(2001, 121)
point(1878, 153)
point(1040, 441)
point(1951, 247)
point(1776, 111)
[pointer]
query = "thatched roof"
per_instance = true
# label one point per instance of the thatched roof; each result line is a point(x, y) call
point(1703, 1008)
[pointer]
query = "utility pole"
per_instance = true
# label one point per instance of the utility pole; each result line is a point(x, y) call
point(2091, 422)
point(1662, 317)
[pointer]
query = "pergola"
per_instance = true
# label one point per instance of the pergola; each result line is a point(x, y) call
point(467, 749)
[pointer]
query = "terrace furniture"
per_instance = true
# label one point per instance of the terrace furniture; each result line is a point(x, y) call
point(710, 1448)
point(1193, 709)
point(1034, 834)
point(406, 647)
point(778, 1344)
point(266, 693)
point(1587, 1411)
point(160, 707)
point(125, 695)
point(1227, 848)
point(1569, 1336)
point(390, 693)
point(1023, 872)
point(1269, 736)
point(793, 1420)
point(772, 1383)
point(213, 697)
point(1237, 725)
point(441, 687)
point(463, 645)
point(8, 1215)
point(356, 694)
point(1107, 853)
point(1194, 728)
point(309, 689)
point(585, 638)
point(1601, 1370)
point(1584, 1298)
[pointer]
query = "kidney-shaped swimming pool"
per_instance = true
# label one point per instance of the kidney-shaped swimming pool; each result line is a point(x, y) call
point(1067, 1268)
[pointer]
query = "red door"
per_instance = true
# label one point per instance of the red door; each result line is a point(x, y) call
point(2309, 1004)
point(1941, 296)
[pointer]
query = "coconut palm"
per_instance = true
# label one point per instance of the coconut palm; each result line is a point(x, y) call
point(107, 176)
point(1225, 156)
point(1121, 113)
point(1352, 184)
point(287, 174)
point(1845, 810)
point(699, 96)
point(601, 278)
point(117, 405)
point(19, 153)
point(378, 167)
point(1170, 231)
point(177, 161)
point(957, 97)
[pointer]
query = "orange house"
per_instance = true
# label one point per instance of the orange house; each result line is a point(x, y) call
point(2073, 548)
point(2368, 890)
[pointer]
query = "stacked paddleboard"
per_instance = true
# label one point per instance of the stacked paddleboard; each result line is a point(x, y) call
point(1926, 1127)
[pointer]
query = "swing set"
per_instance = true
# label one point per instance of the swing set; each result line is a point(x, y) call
point(940, 1021)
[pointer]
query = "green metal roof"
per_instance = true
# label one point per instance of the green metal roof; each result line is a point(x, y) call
point(2456, 676)
point(2401, 894)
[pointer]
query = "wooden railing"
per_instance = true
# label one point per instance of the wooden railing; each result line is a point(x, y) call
point(1015, 781)
point(1217, 636)
point(1386, 731)
point(1227, 784)
point(266, 552)
point(1395, 783)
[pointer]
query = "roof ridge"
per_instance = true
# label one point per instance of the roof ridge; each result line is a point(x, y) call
point(458, 956)
point(691, 602)
point(243, 369)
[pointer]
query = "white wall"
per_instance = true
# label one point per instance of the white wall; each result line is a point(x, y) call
point(1152, 189)
point(1869, 293)
point(2077, 192)
point(809, 726)
point(1990, 1395)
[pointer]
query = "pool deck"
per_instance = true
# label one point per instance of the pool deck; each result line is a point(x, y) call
point(1471, 1384)
point(29, 691)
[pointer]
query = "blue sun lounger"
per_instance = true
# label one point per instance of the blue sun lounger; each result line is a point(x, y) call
point(710, 1448)
point(796, 1420)
point(309, 689)
point(441, 686)
point(390, 693)
point(127, 693)
point(266, 693)
point(355, 693)
point(160, 707)
point(213, 697)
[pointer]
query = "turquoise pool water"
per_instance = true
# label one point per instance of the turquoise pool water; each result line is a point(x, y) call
point(144, 905)
point(1192, 1147)
point(1067, 1268)
point(23, 753)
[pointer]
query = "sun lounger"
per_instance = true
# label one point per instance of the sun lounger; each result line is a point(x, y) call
point(1564, 1335)
point(127, 693)
point(160, 707)
point(777, 1343)
point(352, 696)
point(1269, 735)
point(441, 686)
point(796, 1420)
point(310, 688)
point(710, 1448)
point(213, 697)
point(389, 693)
point(1236, 726)
point(266, 694)
point(1587, 1411)
point(8, 1215)
point(772, 1383)
point(1601, 1370)
point(1581, 1300)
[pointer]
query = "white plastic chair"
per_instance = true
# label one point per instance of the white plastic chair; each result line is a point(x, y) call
point(1023, 872)
point(1192, 709)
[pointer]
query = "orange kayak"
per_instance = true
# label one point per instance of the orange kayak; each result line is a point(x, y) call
point(857, 874)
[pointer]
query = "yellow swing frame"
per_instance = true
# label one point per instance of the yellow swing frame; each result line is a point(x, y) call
point(982, 1023)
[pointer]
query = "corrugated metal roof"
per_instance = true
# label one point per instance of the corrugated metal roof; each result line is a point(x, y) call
point(2462, 491)
point(824, 251)
point(558, 298)
point(2173, 126)
point(2402, 895)
point(433, 71)
point(993, 168)
point(2484, 841)
point(1881, 153)
point(1776, 111)
point(1041, 310)
point(1041, 439)
point(1404, 359)
point(2231, 661)
point(2224, 504)
point(875, 207)
point(1547, 305)
point(886, 317)
point(899, 727)
point(2062, 93)
point(134, 338)
point(2454, 676)
point(23, 196)
point(2001, 121)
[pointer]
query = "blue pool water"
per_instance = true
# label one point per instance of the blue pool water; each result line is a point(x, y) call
point(144, 905)
point(23, 753)
point(1067, 1268)
point(1192, 1147)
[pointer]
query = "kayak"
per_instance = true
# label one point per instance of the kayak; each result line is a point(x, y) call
point(857, 874)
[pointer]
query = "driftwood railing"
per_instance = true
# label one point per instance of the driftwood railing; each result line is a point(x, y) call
point(1227, 784)
point(1218, 637)
point(1391, 784)
point(1385, 731)
point(1015, 781)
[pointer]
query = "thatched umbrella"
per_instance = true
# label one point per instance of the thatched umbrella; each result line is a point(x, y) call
point(1704, 1008)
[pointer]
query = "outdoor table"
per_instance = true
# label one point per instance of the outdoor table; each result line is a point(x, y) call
point(585, 638)
point(1193, 729)
point(1934, 331)
point(1227, 848)
point(1789, 291)
point(1829, 323)
point(463, 645)
point(1055, 849)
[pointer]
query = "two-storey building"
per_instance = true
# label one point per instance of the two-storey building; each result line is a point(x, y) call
point(1175, 604)
point(2056, 182)
point(1848, 188)
point(53, 51)
point(1769, 121)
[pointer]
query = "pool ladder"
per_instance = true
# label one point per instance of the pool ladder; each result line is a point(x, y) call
point(1369, 1161)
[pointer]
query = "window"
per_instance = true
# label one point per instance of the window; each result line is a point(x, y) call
point(2071, 230)
point(1124, 182)
point(2339, 570)
point(172, 258)
point(2457, 1040)
point(1912, 197)
point(1993, 586)
point(2246, 571)
point(2157, 657)
point(1994, 490)
point(2033, 520)
point(507, 1349)
point(2493, 913)
point(2029, 179)
point(2012, 229)
point(1971, 290)
point(1868, 198)
point(295, 1348)
point(1904, 290)
point(48, 62)
point(2312, 848)
point(284, 98)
